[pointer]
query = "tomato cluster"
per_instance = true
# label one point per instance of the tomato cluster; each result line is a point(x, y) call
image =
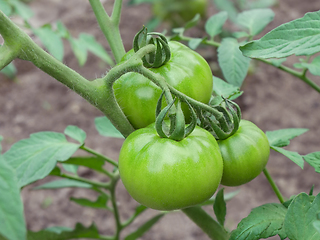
point(165, 174)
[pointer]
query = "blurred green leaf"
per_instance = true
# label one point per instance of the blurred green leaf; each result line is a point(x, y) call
point(63, 233)
point(299, 37)
point(106, 128)
point(90, 162)
point(194, 43)
point(233, 64)
point(21, 9)
point(255, 20)
point(76, 133)
point(62, 30)
point(228, 6)
point(101, 202)
point(222, 88)
point(79, 50)
point(70, 168)
point(51, 41)
point(193, 22)
point(313, 67)
point(5, 7)
point(215, 23)
point(219, 207)
point(11, 207)
point(10, 71)
point(63, 183)
point(90, 43)
point(144, 228)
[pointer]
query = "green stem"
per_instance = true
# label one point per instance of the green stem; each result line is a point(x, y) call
point(84, 180)
point(273, 185)
point(208, 225)
point(115, 209)
point(110, 26)
point(7, 55)
point(89, 150)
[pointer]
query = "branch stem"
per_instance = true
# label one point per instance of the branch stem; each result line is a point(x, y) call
point(274, 186)
point(110, 26)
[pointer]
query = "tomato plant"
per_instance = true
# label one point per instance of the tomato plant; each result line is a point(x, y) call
point(245, 154)
point(165, 174)
point(160, 172)
point(186, 71)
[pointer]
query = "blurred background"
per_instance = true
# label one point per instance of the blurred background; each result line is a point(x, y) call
point(33, 101)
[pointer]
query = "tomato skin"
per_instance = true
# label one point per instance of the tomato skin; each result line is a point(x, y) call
point(187, 71)
point(164, 174)
point(245, 154)
point(178, 12)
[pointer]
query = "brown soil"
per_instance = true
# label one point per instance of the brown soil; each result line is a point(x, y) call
point(36, 102)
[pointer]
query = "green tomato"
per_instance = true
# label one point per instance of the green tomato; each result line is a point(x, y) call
point(245, 154)
point(186, 71)
point(178, 12)
point(164, 174)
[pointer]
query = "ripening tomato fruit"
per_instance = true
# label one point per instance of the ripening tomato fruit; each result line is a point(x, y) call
point(245, 154)
point(165, 174)
point(187, 71)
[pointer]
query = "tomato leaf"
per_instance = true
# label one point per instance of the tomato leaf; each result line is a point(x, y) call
point(10, 71)
point(21, 9)
point(12, 221)
point(282, 137)
point(219, 207)
point(70, 168)
point(277, 62)
point(222, 88)
point(233, 64)
point(228, 6)
point(35, 157)
point(263, 222)
point(76, 133)
point(299, 37)
point(215, 23)
point(101, 201)
point(194, 43)
point(51, 41)
point(193, 22)
point(255, 20)
point(302, 212)
point(58, 233)
point(63, 183)
point(314, 160)
point(293, 156)
point(106, 128)
point(90, 162)
point(144, 228)
point(313, 67)
point(5, 8)
point(79, 50)
point(89, 42)
point(62, 30)
point(1, 138)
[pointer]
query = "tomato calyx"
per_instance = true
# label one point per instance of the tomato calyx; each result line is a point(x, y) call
point(225, 127)
point(178, 129)
point(162, 53)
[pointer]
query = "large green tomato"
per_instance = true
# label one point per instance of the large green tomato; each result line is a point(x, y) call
point(165, 174)
point(186, 71)
point(245, 154)
point(178, 12)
